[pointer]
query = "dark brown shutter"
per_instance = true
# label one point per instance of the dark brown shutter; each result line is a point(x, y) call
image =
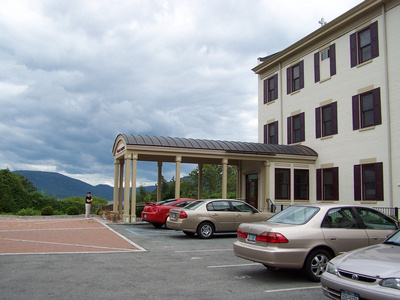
point(357, 182)
point(301, 71)
point(356, 113)
point(353, 50)
point(332, 56)
point(303, 129)
point(379, 181)
point(334, 118)
point(335, 187)
point(289, 130)
point(289, 79)
point(265, 91)
point(318, 122)
point(319, 184)
point(266, 134)
point(316, 67)
point(374, 40)
point(376, 94)
point(275, 87)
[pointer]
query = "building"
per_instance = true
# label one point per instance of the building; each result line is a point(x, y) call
point(327, 130)
point(337, 91)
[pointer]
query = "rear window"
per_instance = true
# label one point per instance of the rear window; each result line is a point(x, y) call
point(166, 202)
point(194, 205)
point(295, 215)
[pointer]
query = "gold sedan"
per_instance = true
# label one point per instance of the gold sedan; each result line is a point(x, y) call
point(206, 217)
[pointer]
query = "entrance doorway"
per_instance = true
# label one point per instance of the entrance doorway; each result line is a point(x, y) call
point(252, 189)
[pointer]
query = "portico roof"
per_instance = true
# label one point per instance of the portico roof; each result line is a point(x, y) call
point(227, 146)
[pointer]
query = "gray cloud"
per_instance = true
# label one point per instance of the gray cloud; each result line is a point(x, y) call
point(75, 74)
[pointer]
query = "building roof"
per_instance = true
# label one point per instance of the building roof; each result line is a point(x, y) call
point(228, 146)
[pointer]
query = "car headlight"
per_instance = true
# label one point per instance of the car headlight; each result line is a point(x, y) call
point(393, 283)
point(331, 268)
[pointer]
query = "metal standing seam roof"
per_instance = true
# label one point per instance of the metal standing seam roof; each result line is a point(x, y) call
point(228, 146)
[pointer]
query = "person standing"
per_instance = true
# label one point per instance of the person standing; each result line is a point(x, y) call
point(88, 205)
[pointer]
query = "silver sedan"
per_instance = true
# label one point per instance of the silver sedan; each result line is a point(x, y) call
point(367, 273)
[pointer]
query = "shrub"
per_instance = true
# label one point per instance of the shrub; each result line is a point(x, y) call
point(28, 212)
point(47, 211)
point(72, 211)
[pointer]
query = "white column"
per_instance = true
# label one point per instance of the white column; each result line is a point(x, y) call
point(133, 184)
point(116, 188)
point(265, 188)
point(159, 181)
point(178, 160)
point(200, 182)
point(127, 187)
point(224, 178)
point(121, 186)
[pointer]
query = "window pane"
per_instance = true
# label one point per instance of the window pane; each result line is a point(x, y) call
point(369, 182)
point(327, 120)
point(296, 78)
point(296, 129)
point(367, 110)
point(282, 180)
point(301, 184)
point(340, 218)
point(364, 40)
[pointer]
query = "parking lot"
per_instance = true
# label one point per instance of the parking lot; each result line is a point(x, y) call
point(169, 265)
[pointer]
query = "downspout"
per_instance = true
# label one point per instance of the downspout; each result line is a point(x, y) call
point(281, 94)
point(387, 98)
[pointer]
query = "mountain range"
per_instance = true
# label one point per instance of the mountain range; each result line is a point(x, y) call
point(61, 186)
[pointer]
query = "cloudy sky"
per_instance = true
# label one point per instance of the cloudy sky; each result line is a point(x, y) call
point(74, 74)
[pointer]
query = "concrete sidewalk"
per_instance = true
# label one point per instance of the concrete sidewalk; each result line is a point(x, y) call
point(60, 235)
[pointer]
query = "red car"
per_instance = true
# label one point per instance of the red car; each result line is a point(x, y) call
point(157, 213)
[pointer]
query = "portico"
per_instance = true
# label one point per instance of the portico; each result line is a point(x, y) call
point(255, 159)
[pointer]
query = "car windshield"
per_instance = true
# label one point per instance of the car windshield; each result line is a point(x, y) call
point(295, 215)
point(394, 239)
point(194, 204)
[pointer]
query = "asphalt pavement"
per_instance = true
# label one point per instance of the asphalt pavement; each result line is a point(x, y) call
point(166, 265)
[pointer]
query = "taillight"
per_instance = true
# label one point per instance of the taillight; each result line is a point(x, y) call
point(263, 237)
point(276, 238)
point(241, 234)
point(182, 215)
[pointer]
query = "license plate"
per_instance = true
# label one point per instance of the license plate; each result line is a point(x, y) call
point(345, 295)
point(173, 216)
point(251, 237)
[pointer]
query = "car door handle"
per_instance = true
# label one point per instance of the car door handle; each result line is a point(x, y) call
point(333, 238)
point(214, 214)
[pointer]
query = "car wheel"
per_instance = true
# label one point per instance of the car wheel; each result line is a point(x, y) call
point(316, 263)
point(158, 225)
point(205, 230)
point(189, 233)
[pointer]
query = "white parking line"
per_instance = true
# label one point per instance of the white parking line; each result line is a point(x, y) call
point(234, 266)
point(209, 250)
point(294, 289)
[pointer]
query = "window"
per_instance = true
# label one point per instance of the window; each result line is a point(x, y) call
point(375, 220)
point(219, 206)
point(364, 45)
point(295, 129)
point(324, 55)
point(242, 207)
point(271, 133)
point(368, 182)
point(301, 184)
point(340, 218)
point(367, 109)
point(295, 77)
point(328, 184)
point(271, 89)
point(282, 183)
point(326, 120)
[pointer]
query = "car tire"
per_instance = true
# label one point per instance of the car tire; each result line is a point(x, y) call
point(189, 233)
point(157, 225)
point(316, 264)
point(205, 230)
